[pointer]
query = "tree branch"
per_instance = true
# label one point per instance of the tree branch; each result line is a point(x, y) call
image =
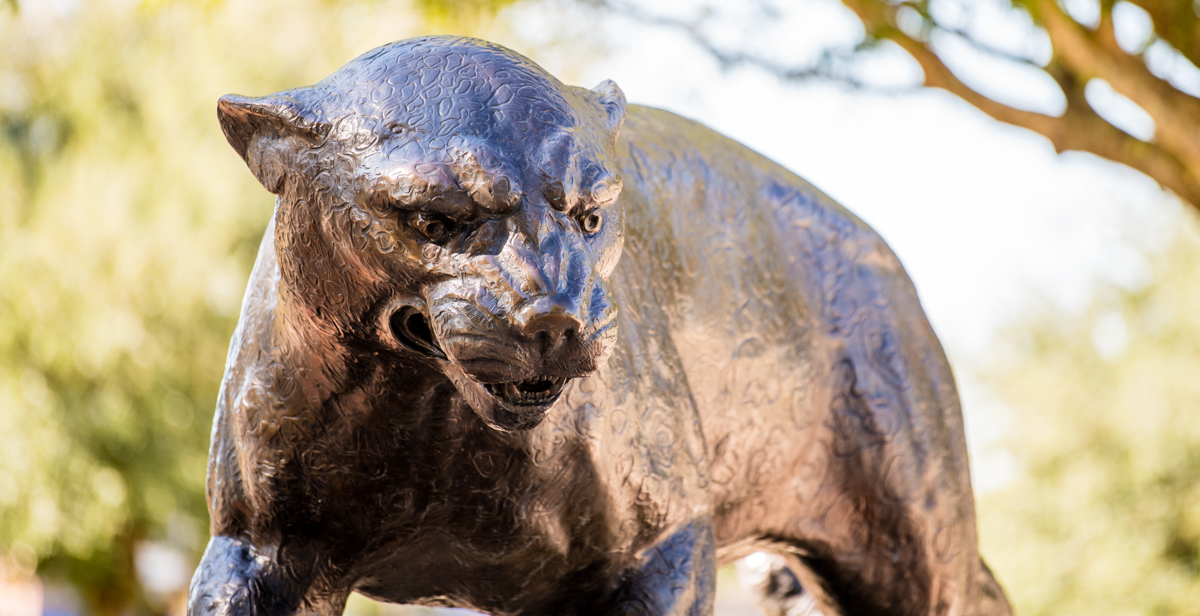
point(1088, 54)
point(1079, 128)
point(968, 39)
point(985, 48)
point(1177, 24)
point(824, 68)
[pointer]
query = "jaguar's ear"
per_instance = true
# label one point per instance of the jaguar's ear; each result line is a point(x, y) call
point(259, 130)
point(613, 100)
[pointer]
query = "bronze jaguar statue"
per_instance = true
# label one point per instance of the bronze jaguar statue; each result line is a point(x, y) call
point(514, 346)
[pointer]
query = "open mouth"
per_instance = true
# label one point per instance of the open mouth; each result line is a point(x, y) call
point(539, 391)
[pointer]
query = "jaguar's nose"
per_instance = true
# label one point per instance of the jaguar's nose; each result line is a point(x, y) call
point(548, 322)
point(549, 328)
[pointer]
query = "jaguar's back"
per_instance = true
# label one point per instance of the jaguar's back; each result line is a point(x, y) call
point(830, 416)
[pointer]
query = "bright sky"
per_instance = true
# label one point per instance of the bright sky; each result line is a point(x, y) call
point(987, 219)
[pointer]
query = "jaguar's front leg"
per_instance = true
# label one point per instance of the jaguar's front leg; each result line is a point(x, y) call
point(676, 576)
point(237, 578)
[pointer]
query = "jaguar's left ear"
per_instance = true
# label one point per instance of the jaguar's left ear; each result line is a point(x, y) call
point(613, 100)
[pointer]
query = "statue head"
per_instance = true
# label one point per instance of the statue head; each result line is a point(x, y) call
point(443, 203)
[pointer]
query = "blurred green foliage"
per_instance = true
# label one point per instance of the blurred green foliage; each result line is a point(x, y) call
point(127, 230)
point(1104, 514)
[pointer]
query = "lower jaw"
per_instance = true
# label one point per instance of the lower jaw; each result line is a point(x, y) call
point(509, 416)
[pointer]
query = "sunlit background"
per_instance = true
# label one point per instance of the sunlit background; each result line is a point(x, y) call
point(1065, 288)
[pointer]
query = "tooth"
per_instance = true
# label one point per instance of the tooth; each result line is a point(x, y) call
point(511, 391)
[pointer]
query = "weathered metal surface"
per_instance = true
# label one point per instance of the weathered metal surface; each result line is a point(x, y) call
point(509, 345)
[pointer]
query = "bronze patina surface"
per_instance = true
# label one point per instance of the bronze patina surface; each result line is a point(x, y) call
point(514, 346)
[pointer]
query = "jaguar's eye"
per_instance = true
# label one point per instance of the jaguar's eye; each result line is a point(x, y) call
point(590, 221)
point(433, 227)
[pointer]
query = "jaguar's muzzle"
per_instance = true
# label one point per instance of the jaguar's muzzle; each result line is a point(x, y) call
point(510, 375)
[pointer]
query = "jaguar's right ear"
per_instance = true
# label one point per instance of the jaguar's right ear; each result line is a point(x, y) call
point(613, 100)
point(259, 130)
